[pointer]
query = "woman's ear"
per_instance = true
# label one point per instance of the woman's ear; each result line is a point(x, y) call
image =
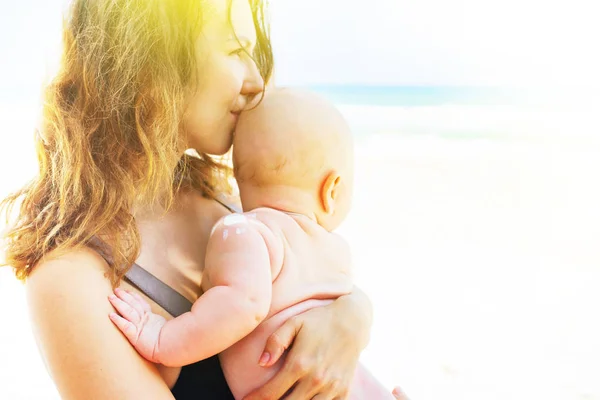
point(330, 192)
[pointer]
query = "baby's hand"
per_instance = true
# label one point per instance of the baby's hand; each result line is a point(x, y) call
point(141, 326)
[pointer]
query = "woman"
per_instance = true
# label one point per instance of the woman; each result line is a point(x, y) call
point(141, 83)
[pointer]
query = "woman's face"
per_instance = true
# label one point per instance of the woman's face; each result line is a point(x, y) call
point(228, 79)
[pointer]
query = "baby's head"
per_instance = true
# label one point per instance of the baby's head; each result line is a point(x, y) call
point(295, 152)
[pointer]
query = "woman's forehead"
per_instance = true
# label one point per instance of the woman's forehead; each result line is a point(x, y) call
point(223, 17)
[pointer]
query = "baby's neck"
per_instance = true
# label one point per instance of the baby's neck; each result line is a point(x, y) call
point(288, 199)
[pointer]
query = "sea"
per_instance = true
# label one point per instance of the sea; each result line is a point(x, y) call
point(469, 112)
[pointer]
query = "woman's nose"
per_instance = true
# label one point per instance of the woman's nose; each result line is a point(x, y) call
point(253, 84)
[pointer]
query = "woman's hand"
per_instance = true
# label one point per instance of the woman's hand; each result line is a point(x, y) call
point(327, 342)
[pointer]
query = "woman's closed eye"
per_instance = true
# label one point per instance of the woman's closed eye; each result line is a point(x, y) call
point(240, 52)
point(246, 47)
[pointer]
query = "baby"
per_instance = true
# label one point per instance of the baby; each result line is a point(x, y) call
point(293, 161)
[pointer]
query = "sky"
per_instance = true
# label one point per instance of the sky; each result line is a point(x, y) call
point(439, 42)
point(375, 42)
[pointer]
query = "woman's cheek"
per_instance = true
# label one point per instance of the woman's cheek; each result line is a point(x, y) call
point(233, 72)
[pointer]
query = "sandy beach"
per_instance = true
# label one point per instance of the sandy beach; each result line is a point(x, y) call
point(480, 256)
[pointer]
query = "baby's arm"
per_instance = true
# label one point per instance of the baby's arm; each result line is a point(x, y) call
point(238, 277)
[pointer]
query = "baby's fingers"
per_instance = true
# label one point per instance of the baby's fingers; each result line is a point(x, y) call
point(128, 329)
point(134, 301)
point(125, 309)
point(145, 305)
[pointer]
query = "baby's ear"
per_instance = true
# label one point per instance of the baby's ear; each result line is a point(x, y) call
point(330, 192)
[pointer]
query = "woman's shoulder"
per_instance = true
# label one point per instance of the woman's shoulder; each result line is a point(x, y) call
point(68, 274)
point(77, 262)
point(85, 354)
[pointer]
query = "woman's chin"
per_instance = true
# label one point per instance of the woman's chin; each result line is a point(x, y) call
point(216, 144)
point(220, 149)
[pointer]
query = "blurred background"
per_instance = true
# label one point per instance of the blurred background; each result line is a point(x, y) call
point(476, 223)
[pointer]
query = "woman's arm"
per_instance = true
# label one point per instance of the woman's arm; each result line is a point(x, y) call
point(85, 354)
point(327, 342)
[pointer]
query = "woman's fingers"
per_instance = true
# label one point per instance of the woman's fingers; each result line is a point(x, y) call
point(286, 378)
point(320, 385)
point(307, 389)
point(327, 397)
point(278, 386)
point(279, 342)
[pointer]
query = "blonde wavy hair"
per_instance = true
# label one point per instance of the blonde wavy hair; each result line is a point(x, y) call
point(109, 139)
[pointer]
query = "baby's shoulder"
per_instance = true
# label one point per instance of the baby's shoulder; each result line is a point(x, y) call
point(274, 220)
point(260, 221)
point(255, 219)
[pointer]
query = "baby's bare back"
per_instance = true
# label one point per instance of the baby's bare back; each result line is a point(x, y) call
point(316, 263)
point(316, 269)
